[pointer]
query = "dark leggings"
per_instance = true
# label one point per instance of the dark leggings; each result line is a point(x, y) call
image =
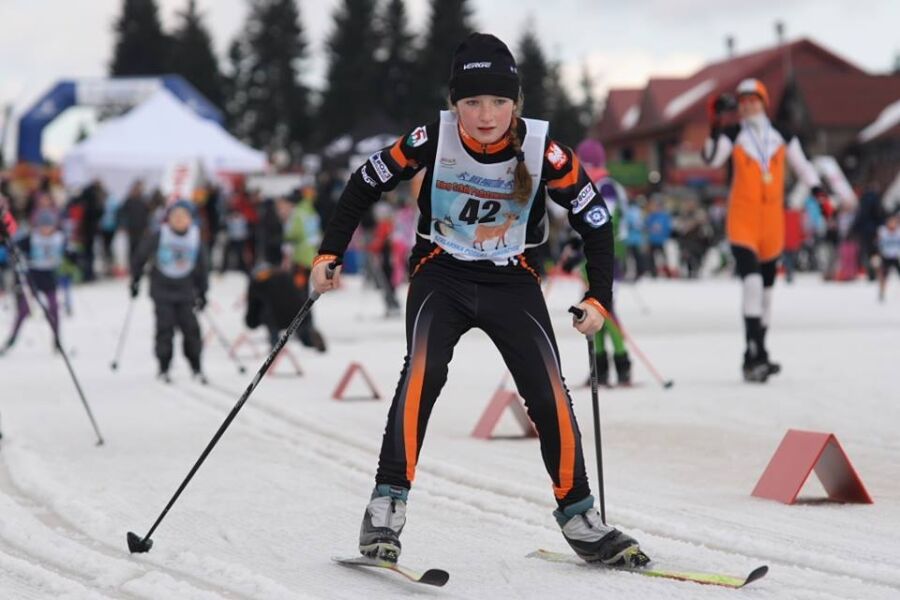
point(170, 315)
point(748, 263)
point(441, 307)
point(44, 283)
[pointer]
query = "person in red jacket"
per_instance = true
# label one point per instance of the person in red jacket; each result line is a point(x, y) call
point(793, 241)
point(483, 213)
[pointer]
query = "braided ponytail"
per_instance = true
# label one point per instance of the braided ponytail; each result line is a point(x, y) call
point(522, 184)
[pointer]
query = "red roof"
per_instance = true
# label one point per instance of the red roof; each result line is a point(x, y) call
point(691, 93)
point(851, 100)
point(618, 102)
point(657, 95)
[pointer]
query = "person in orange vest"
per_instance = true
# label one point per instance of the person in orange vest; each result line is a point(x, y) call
point(755, 222)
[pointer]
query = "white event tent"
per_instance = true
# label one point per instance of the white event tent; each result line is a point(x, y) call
point(148, 140)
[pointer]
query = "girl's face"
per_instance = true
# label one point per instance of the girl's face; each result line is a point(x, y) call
point(750, 105)
point(180, 219)
point(485, 118)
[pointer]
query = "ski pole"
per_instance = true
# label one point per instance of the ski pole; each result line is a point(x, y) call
point(19, 267)
point(124, 333)
point(665, 383)
point(595, 403)
point(136, 544)
point(221, 337)
point(639, 299)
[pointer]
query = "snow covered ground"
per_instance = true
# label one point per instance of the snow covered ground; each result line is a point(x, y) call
point(285, 488)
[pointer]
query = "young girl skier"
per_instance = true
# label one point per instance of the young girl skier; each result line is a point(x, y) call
point(483, 212)
point(44, 248)
point(178, 283)
point(888, 250)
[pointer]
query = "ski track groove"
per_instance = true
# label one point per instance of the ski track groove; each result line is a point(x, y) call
point(58, 525)
point(34, 578)
point(507, 491)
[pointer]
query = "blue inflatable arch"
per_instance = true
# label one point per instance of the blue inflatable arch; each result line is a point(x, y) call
point(118, 91)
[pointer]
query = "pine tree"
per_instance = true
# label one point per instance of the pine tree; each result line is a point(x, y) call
point(448, 25)
point(233, 84)
point(352, 80)
point(267, 105)
point(396, 63)
point(587, 110)
point(141, 47)
point(192, 55)
point(534, 74)
point(564, 118)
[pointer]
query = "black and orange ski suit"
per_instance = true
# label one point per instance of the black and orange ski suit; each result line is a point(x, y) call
point(447, 297)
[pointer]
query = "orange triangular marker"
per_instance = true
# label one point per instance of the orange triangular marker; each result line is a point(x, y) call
point(503, 398)
point(345, 381)
point(801, 452)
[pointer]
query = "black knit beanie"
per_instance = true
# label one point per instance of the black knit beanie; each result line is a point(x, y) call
point(482, 64)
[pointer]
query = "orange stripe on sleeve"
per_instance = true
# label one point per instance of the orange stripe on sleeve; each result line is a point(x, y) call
point(397, 154)
point(570, 178)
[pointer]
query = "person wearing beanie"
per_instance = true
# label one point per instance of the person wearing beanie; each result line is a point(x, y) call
point(593, 157)
point(758, 151)
point(44, 248)
point(178, 284)
point(483, 212)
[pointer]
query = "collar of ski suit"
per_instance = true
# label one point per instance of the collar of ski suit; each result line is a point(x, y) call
point(476, 146)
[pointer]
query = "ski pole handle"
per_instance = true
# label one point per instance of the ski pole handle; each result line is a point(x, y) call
point(331, 268)
point(578, 313)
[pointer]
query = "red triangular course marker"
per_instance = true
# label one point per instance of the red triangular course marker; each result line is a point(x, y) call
point(354, 368)
point(801, 452)
point(503, 398)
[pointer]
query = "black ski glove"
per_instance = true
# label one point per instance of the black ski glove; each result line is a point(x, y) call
point(134, 287)
point(200, 302)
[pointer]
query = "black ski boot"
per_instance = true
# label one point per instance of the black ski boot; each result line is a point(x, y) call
point(602, 361)
point(756, 359)
point(755, 368)
point(623, 369)
point(594, 541)
point(385, 516)
point(164, 377)
point(774, 367)
point(196, 371)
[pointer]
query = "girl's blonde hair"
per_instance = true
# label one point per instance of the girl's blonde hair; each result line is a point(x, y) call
point(523, 186)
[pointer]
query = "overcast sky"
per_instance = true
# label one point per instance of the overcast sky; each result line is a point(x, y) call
point(622, 43)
